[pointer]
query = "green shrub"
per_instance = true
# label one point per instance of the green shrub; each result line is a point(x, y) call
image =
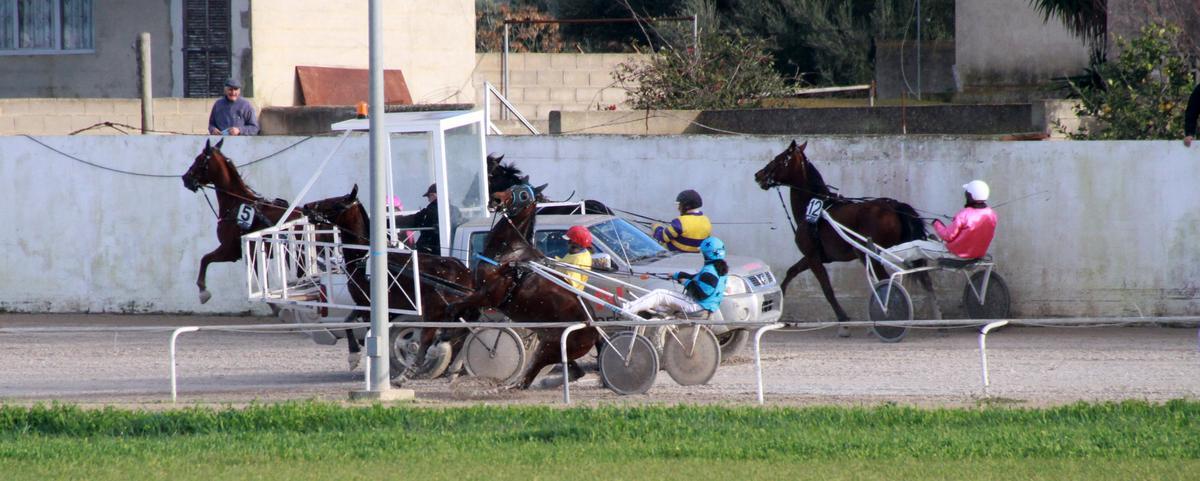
point(1142, 94)
point(731, 70)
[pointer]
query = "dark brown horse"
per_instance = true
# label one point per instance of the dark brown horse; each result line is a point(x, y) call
point(887, 222)
point(234, 198)
point(443, 279)
point(504, 283)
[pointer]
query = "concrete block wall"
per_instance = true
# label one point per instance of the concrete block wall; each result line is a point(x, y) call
point(542, 82)
point(63, 116)
point(1086, 228)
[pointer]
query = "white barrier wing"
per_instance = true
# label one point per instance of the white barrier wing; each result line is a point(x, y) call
point(298, 263)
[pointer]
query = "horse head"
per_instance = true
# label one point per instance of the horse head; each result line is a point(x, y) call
point(345, 212)
point(790, 167)
point(208, 167)
point(502, 177)
point(516, 201)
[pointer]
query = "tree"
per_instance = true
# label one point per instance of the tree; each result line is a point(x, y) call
point(731, 69)
point(1142, 93)
point(1087, 19)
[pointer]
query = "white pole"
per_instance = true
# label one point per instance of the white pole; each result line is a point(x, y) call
point(376, 343)
point(566, 372)
point(145, 85)
point(174, 336)
point(758, 357)
point(983, 350)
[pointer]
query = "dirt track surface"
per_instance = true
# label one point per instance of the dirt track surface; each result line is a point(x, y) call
point(1028, 367)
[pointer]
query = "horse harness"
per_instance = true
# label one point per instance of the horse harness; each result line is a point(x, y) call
point(247, 214)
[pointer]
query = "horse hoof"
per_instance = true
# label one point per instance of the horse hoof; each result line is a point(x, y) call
point(352, 359)
point(205, 296)
point(843, 331)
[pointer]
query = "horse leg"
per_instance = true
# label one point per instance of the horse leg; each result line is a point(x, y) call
point(926, 282)
point(792, 272)
point(354, 354)
point(223, 253)
point(547, 354)
point(818, 270)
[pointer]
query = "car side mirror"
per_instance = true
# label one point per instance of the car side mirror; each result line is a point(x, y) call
point(602, 262)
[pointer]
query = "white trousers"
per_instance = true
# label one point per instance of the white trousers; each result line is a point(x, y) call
point(922, 249)
point(663, 300)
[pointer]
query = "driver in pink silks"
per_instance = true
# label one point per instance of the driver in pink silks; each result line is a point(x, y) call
point(968, 235)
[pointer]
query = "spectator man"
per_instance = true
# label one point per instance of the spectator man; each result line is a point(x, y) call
point(232, 114)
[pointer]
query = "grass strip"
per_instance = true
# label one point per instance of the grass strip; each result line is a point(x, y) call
point(1128, 440)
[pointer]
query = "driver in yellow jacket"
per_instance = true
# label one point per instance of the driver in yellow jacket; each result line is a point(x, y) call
point(686, 232)
point(579, 241)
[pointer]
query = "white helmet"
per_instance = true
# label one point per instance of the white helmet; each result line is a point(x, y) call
point(978, 189)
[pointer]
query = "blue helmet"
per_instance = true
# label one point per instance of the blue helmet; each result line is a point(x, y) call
point(713, 249)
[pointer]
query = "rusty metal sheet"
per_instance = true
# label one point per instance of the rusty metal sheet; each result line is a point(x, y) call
point(348, 86)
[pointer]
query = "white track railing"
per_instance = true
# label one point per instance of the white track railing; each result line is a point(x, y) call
point(761, 329)
point(568, 326)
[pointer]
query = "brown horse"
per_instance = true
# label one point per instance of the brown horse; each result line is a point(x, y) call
point(234, 199)
point(443, 279)
point(505, 284)
point(887, 222)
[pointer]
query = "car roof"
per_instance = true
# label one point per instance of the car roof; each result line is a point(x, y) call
point(546, 221)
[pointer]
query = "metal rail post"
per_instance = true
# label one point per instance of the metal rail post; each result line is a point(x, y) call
point(567, 373)
point(504, 71)
point(175, 335)
point(983, 349)
point(758, 357)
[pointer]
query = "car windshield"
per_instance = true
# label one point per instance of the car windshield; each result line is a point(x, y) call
point(627, 241)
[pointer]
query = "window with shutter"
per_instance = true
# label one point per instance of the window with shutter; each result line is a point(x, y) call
point(206, 47)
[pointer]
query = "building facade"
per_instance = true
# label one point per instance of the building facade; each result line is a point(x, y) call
point(87, 48)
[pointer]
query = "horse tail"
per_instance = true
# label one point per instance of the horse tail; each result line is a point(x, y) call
point(911, 226)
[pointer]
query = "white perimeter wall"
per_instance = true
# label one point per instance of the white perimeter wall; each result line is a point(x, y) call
point(1113, 232)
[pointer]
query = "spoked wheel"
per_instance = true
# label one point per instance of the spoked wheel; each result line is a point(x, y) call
point(495, 353)
point(691, 355)
point(898, 308)
point(404, 344)
point(629, 364)
point(996, 302)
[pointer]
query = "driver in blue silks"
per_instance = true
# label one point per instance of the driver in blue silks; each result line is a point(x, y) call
point(702, 291)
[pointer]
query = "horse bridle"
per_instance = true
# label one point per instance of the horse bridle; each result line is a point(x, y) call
point(774, 167)
point(320, 217)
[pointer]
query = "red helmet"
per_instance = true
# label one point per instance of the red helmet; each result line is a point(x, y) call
point(580, 235)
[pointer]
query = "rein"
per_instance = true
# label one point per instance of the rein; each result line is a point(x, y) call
point(787, 212)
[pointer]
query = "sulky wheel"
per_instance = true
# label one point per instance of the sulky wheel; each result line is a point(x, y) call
point(495, 353)
point(691, 355)
point(404, 344)
point(996, 302)
point(629, 364)
point(898, 308)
